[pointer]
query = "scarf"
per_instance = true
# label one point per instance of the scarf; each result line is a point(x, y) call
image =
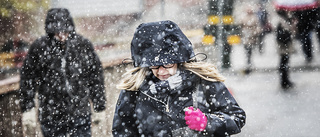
point(178, 82)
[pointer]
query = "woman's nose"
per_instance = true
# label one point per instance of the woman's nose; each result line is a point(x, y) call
point(161, 70)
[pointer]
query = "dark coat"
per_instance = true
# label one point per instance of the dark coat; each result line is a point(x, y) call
point(285, 33)
point(143, 113)
point(65, 75)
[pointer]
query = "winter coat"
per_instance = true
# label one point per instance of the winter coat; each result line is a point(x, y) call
point(65, 75)
point(147, 113)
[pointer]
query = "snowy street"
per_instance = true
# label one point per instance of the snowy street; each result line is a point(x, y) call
point(271, 111)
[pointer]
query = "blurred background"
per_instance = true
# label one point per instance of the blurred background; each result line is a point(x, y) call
point(215, 27)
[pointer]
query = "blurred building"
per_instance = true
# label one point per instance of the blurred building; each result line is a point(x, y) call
point(85, 8)
point(103, 21)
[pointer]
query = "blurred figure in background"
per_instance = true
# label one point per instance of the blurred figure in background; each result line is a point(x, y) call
point(285, 32)
point(307, 14)
point(67, 74)
point(251, 31)
point(264, 23)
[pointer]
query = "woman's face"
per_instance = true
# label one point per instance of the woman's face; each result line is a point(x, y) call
point(165, 71)
point(61, 36)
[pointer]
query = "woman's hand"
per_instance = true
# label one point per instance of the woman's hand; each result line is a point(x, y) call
point(195, 119)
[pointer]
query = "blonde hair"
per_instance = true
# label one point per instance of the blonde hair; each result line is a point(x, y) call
point(204, 70)
point(133, 78)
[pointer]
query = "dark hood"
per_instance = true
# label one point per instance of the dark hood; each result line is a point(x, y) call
point(59, 20)
point(159, 43)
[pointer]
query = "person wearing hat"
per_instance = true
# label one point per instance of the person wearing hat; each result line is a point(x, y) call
point(169, 92)
point(64, 69)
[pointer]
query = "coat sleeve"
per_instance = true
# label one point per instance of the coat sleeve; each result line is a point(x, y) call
point(29, 76)
point(124, 123)
point(226, 116)
point(96, 77)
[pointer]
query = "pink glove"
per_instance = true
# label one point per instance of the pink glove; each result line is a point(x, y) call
point(195, 119)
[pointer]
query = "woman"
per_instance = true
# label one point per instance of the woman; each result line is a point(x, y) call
point(168, 93)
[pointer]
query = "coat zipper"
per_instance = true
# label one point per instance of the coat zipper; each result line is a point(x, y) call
point(166, 104)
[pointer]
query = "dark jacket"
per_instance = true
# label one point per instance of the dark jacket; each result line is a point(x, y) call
point(285, 33)
point(144, 113)
point(66, 76)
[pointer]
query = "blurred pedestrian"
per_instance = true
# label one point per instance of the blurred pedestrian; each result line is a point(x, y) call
point(285, 32)
point(263, 16)
point(170, 93)
point(307, 14)
point(251, 31)
point(64, 69)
